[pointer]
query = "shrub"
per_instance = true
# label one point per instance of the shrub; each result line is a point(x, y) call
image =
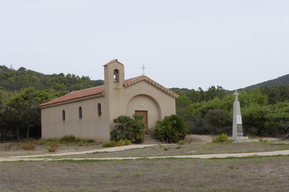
point(221, 138)
point(182, 142)
point(127, 142)
point(27, 146)
point(69, 139)
point(178, 147)
point(39, 142)
point(120, 143)
point(109, 144)
point(80, 143)
point(172, 129)
point(128, 128)
point(51, 148)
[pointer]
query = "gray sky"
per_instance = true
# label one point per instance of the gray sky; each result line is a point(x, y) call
point(183, 43)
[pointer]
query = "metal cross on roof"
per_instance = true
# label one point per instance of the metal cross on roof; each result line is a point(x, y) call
point(236, 95)
point(143, 69)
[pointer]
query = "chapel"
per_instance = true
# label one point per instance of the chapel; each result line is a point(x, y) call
point(89, 113)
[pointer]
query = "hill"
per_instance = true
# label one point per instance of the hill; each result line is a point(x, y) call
point(283, 80)
point(14, 80)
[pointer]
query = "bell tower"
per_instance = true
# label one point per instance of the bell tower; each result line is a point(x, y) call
point(114, 89)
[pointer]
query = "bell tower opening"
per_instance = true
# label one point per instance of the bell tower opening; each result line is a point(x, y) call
point(116, 76)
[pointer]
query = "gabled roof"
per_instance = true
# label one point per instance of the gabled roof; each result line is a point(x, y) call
point(76, 95)
point(100, 89)
point(144, 78)
point(112, 61)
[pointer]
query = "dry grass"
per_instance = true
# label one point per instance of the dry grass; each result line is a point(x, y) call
point(233, 174)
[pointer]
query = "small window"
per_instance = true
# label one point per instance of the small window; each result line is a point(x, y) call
point(116, 76)
point(80, 112)
point(99, 109)
point(63, 115)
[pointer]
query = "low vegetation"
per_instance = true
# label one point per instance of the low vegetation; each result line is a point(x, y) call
point(27, 146)
point(221, 138)
point(118, 143)
point(171, 129)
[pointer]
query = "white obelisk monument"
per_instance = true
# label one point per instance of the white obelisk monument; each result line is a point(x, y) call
point(237, 120)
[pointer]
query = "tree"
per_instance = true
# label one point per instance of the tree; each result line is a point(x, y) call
point(22, 109)
point(22, 69)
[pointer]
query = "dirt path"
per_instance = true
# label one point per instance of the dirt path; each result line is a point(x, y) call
point(46, 157)
point(41, 155)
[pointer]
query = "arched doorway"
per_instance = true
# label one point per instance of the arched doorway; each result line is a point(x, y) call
point(147, 106)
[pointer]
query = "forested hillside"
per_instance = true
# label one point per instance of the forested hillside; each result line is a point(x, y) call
point(22, 90)
point(14, 80)
point(283, 80)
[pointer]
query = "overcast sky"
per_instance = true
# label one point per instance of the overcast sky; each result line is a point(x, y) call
point(183, 43)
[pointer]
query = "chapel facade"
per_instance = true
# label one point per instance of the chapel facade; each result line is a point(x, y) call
point(89, 113)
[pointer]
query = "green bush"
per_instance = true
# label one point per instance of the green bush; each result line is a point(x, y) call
point(182, 142)
point(27, 146)
point(109, 144)
point(127, 142)
point(120, 143)
point(178, 147)
point(128, 128)
point(221, 138)
point(52, 148)
point(69, 139)
point(172, 129)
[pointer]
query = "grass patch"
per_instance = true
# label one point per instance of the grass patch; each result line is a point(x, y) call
point(115, 176)
point(137, 174)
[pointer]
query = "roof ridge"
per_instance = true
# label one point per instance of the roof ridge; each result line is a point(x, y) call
point(112, 61)
point(140, 78)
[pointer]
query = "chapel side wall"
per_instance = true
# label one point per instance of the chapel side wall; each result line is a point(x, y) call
point(90, 126)
point(164, 102)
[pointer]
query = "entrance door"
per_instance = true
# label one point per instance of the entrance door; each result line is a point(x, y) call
point(145, 119)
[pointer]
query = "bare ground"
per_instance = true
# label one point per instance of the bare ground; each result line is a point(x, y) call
point(231, 174)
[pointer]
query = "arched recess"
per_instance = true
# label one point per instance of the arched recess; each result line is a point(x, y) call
point(146, 104)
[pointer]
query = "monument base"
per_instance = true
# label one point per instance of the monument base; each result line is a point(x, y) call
point(242, 139)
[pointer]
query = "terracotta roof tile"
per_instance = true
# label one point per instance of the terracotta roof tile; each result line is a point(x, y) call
point(76, 95)
point(112, 61)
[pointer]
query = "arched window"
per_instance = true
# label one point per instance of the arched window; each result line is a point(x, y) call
point(99, 109)
point(80, 112)
point(116, 76)
point(63, 115)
